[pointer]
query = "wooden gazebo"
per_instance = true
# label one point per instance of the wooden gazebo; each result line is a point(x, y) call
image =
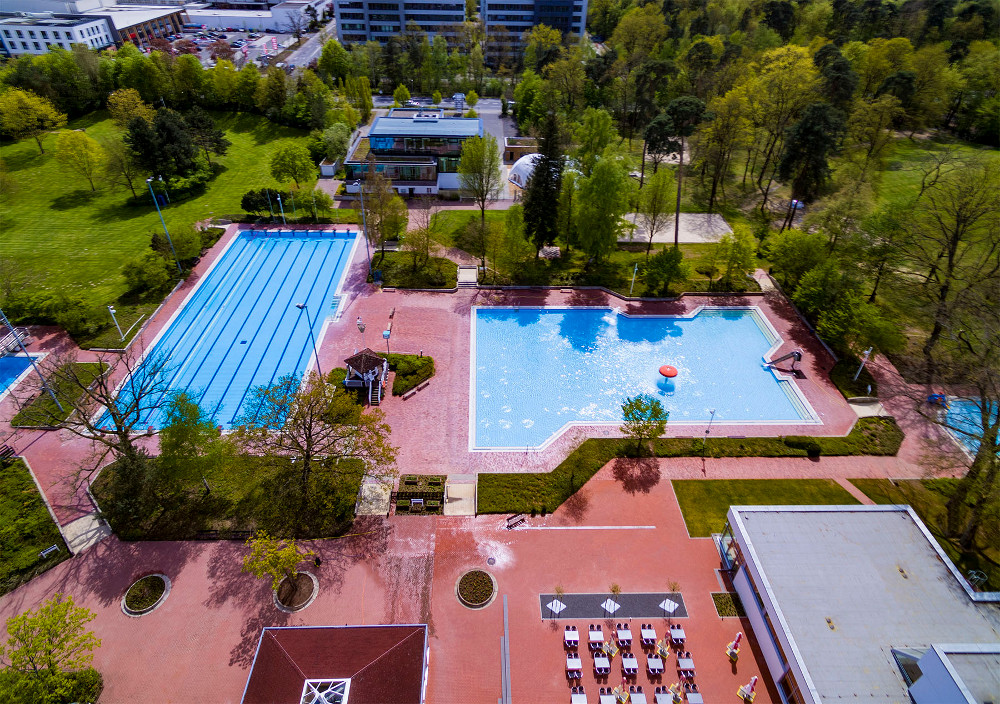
point(367, 369)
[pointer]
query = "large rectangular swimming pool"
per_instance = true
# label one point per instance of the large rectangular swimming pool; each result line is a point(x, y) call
point(537, 370)
point(240, 327)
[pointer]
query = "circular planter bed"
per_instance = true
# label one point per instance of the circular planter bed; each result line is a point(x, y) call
point(476, 589)
point(145, 594)
point(291, 597)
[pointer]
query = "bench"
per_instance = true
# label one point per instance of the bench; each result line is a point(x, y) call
point(49, 551)
point(7, 455)
point(516, 520)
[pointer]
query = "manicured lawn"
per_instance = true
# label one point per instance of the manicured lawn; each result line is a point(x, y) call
point(545, 491)
point(63, 237)
point(928, 498)
point(26, 528)
point(704, 502)
point(397, 271)
point(448, 225)
point(42, 410)
point(842, 376)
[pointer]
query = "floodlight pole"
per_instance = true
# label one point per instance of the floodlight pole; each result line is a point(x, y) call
point(111, 309)
point(31, 360)
point(149, 182)
point(303, 306)
point(282, 207)
point(364, 225)
point(704, 447)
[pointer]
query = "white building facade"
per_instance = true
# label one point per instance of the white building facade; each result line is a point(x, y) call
point(36, 33)
point(362, 21)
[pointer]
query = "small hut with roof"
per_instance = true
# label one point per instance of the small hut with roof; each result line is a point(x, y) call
point(367, 369)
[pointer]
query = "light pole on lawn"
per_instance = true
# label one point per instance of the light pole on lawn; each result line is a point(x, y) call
point(364, 225)
point(704, 447)
point(149, 182)
point(31, 360)
point(303, 306)
point(111, 309)
point(282, 207)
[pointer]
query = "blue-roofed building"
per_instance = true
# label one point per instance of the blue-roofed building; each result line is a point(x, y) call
point(418, 150)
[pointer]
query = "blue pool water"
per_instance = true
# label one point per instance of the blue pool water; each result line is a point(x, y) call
point(964, 413)
point(537, 369)
point(240, 327)
point(11, 367)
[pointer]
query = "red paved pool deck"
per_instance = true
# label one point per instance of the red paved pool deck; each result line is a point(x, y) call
point(197, 647)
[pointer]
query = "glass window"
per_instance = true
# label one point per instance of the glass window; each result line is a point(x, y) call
point(31, 34)
point(20, 35)
point(37, 46)
point(6, 32)
point(45, 35)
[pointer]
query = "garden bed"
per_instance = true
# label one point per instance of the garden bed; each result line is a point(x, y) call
point(476, 589)
point(728, 605)
point(296, 594)
point(411, 370)
point(145, 594)
point(428, 488)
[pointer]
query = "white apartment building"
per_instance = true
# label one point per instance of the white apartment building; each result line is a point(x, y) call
point(35, 33)
point(361, 21)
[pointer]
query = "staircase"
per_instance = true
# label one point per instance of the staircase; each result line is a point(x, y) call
point(468, 276)
point(375, 393)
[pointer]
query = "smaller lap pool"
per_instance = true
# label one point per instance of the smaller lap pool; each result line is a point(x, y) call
point(11, 368)
point(964, 414)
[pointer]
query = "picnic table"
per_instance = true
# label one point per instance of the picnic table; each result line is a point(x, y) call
point(648, 635)
point(578, 698)
point(570, 637)
point(677, 634)
point(686, 666)
point(654, 663)
point(607, 699)
point(602, 664)
point(624, 635)
point(638, 698)
point(630, 664)
point(573, 662)
point(596, 637)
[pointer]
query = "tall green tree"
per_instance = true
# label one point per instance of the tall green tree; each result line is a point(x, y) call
point(334, 62)
point(603, 201)
point(25, 114)
point(47, 646)
point(479, 171)
point(164, 148)
point(595, 132)
point(126, 103)
point(274, 558)
point(206, 134)
point(685, 114)
point(81, 153)
point(643, 419)
point(805, 159)
point(655, 203)
point(293, 162)
point(541, 192)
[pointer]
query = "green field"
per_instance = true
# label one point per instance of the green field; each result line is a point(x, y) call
point(61, 236)
point(26, 528)
point(705, 503)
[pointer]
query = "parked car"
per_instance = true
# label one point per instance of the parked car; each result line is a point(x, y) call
point(412, 104)
point(237, 44)
point(254, 35)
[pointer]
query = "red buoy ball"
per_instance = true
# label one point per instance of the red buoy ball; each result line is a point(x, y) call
point(668, 371)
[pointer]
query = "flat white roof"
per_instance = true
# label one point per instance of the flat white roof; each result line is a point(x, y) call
point(125, 16)
point(849, 584)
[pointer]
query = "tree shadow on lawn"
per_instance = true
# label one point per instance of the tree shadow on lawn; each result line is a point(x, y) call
point(80, 198)
point(19, 161)
point(636, 474)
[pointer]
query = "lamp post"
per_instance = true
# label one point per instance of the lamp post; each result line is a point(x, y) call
point(111, 309)
point(282, 208)
point(364, 225)
point(385, 334)
point(24, 350)
point(361, 329)
point(303, 306)
point(269, 206)
point(704, 447)
point(149, 182)
point(166, 193)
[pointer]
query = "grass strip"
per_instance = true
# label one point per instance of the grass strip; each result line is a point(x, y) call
point(705, 502)
point(26, 529)
point(545, 491)
point(43, 411)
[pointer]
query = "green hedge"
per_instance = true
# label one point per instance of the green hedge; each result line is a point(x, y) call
point(544, 491)
point(411, 371)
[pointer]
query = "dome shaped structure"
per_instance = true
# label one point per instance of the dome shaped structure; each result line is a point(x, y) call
point(521, 170)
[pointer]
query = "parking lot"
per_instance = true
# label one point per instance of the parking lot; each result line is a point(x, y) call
point(260, 48)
